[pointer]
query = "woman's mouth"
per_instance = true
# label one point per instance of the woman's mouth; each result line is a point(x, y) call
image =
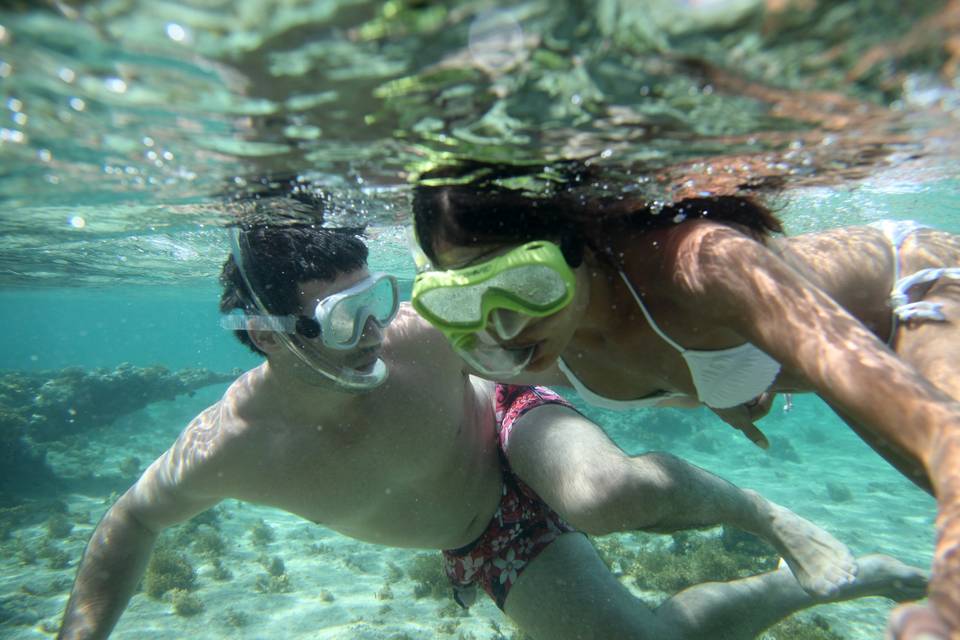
point(521, 346)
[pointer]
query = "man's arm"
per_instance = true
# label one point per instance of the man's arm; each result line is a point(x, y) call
point(118, 551)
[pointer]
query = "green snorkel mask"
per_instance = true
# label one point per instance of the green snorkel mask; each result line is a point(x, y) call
point(533, 280)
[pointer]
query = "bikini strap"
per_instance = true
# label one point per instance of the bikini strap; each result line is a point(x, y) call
point(646, 314)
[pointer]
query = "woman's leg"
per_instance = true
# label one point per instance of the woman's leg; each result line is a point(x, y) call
point(594, 485)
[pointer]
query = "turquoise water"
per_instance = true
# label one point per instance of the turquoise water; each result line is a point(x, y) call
point(124, 122)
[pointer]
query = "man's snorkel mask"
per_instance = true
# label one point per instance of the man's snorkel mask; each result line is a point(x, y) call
point(338, 321)
point(467, 305)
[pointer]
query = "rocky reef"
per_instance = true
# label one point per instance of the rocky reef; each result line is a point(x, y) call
point(660, 566)
point(38, 407)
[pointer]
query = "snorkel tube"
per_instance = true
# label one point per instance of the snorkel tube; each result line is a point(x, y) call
point(344, 377)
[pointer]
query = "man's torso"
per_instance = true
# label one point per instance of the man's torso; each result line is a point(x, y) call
point(411, 463)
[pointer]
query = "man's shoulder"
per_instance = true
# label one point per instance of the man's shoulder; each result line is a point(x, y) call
point(226, 423)
point(209, 451)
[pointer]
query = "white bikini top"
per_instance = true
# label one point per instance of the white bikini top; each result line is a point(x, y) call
point(590, 397)
point(723, 378)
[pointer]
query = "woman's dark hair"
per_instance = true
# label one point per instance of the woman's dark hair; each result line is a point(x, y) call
point(469, 204)
point(277, 258)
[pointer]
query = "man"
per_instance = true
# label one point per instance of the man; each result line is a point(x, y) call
point(378, 432)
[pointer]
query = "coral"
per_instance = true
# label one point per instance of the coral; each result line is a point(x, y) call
point(37, 407)
point(58, 526)
point(799, 628)
point(839, 492)
point(23, 465)
point(448, 627)
point(275, 566)
point(26, 555)
point(276, 579)
point(209, 543)
point(73, 399)
point(185, 603)
point(261, 534)
point(613, 552)
point(451, 609)
point(426, 571)
point(202, 532)
point(18, 611)
point(742, 543)
point(693, 558)
point(394, 573)
point(266, 583)
point(56, 557)
point(55, 587)
point(210, 517)
point(235, 619)
point(168, 570)
point(220, 572)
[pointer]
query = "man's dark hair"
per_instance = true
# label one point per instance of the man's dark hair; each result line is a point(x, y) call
point(277, 258)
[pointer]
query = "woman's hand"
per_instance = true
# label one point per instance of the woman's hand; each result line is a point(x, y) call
point(742, 417)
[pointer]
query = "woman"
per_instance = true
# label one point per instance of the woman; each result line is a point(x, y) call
point(701, 300)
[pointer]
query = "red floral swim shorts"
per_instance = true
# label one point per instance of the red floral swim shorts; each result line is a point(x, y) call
point(523, 524)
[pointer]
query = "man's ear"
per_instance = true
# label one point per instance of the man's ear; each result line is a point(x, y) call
point(266, 341)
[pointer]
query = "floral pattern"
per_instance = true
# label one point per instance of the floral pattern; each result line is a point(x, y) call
point(523, 524)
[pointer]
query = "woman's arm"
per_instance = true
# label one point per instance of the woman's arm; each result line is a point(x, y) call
point(733, 280)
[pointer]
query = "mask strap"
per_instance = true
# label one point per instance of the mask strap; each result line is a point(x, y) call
point(421, 262)
point(571, 246)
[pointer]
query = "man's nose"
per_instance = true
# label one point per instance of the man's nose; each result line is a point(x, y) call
point(372, 332)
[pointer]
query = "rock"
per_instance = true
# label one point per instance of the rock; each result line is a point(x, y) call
point(40, 407)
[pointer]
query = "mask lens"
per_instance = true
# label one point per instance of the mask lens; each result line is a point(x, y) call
point(383, 302)
point(535, 286)
point(341, 324)
point(455, 305)
point(346, 317)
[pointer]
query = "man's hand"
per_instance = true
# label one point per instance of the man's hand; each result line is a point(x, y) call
point(742, 417)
